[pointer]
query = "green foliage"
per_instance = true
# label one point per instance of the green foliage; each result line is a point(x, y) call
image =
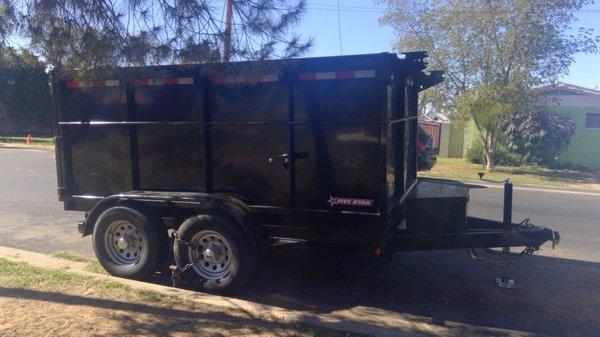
point(540, 135)
point(476, 155)
point(475, 152)
point(25, 101)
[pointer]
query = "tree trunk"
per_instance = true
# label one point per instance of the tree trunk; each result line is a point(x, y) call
point(489, 160)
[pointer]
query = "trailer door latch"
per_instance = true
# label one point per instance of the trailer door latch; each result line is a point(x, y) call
point(283, 158)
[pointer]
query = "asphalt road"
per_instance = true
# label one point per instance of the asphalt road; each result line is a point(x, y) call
point(557, 293)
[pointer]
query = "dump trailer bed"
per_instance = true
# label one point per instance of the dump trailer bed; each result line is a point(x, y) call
point(225, 157)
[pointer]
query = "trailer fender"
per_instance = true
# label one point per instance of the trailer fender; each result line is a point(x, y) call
point(103, 205)
point(215, 204)
point(240, 214)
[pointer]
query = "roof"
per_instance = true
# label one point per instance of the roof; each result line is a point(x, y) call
point(432, 116)
point(561, 88)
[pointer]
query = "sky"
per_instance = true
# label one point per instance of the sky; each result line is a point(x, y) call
point(361, 34)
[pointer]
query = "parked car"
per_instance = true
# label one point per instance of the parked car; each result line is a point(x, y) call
point(426, 153)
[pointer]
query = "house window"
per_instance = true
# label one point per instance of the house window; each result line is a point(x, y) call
point(592, 120)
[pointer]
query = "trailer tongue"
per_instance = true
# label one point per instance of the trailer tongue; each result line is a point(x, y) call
point(224, 158)
point(449, 227)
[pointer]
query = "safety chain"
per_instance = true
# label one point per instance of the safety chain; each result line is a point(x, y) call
point(176, 272)
point(501, 262)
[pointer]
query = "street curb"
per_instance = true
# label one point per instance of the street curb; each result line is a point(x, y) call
point(26, 146)
point(359, 319)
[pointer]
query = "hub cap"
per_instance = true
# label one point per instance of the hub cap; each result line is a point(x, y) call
point(124, 243)
point(211, 254)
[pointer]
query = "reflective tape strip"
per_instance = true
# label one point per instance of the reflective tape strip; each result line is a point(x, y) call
point(112, 83)
point(93, 84)
point(336, 75)
point(245, 79)
point(163, 81)
point(185, 80)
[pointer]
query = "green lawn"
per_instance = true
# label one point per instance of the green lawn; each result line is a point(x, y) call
point(21, 140)
point(459, 168)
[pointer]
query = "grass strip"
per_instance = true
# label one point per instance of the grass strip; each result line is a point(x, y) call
point(22, 140)
point(460, 168)
point(23, 275)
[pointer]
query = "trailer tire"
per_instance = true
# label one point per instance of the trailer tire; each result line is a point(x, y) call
point(214, 253)
point(129, 243)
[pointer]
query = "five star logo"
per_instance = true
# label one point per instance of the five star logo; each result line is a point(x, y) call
point(339, 201)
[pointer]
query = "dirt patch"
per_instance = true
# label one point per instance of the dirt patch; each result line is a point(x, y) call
point(29, 312)
point(44, 302)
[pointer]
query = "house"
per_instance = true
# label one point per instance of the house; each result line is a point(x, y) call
point(583, 106)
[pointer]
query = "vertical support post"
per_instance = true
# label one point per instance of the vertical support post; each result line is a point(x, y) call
point(506, 281)
point(508, 198)
point(206, 119)
point(132, 131)
point(291, 76)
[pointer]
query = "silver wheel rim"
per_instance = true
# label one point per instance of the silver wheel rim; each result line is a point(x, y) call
point(124, 243)
point(211, 254)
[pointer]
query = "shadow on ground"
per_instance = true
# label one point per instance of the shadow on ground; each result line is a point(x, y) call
point(552, 297)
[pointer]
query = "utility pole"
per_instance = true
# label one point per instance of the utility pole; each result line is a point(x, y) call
point(227, 32)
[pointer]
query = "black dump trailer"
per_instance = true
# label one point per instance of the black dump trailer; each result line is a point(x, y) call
point(215, 161)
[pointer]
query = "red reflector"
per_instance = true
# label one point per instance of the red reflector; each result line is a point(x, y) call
point(170, 81)
point(344, 74)
point(140, 81)
point(307, 76)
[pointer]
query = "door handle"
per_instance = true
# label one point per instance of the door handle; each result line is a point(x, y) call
point(285, 158)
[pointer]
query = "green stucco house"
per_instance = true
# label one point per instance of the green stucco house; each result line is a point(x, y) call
point(583, 106)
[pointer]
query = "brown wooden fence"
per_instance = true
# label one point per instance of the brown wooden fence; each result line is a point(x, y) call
point(434, 130)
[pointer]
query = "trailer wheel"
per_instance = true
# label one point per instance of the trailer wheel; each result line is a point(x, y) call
point(214, 252)
point(128, 243)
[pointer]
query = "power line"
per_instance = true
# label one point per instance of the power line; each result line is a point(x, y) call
point(339, 26)
point(376, 10)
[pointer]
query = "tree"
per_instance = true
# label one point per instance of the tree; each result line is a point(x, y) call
point(24, 95)
point(488, 106)
point(487, 45)
point(7, 20)
point(80, 34)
